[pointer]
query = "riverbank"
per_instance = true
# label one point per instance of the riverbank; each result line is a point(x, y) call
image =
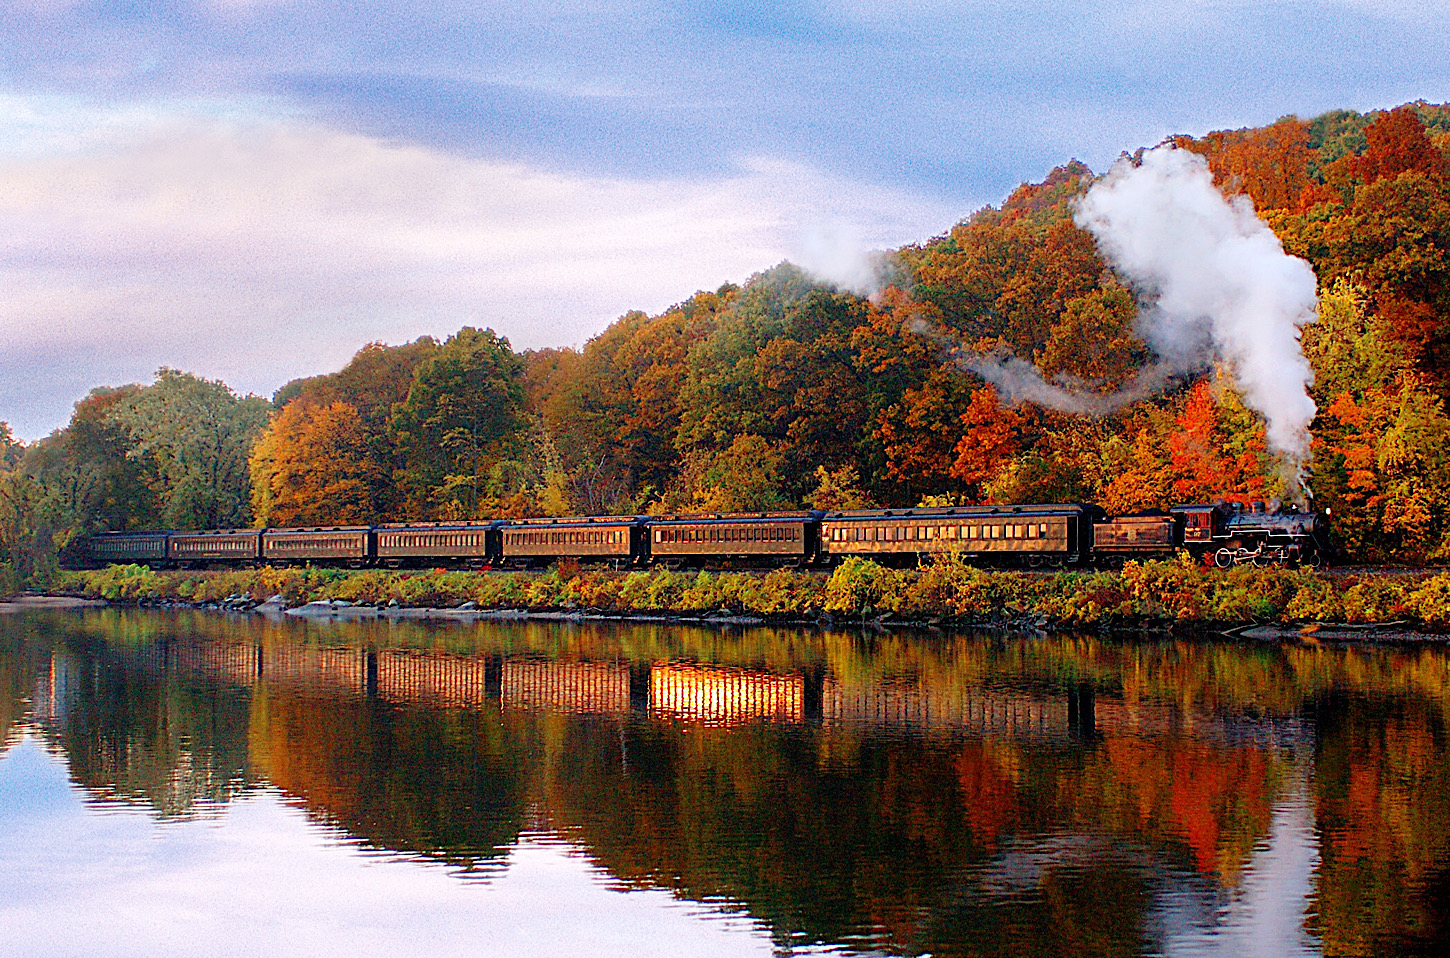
point(1150, 595)
point(31, 603)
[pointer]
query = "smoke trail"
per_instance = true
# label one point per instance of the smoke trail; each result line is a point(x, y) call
point(836, 257)
point(1017, 380)
point(1216, 285)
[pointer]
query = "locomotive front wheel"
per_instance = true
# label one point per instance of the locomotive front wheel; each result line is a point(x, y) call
point(1223, 558)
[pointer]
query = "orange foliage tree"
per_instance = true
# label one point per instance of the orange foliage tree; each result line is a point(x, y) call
point(1270, 163)
point(990, 434)
point(311, 466)
point(1397, 143)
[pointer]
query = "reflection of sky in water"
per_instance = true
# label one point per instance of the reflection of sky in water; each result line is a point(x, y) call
point(257, 877)
point(260, 879)
point(1264, 916)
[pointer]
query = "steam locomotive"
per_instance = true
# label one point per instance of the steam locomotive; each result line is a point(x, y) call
point(1060, 535)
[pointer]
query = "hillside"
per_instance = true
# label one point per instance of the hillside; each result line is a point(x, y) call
point(783, 391)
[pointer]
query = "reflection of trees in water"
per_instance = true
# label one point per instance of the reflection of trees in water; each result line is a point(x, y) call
point(900, 772)
point(1382, 806)
point(177, 745)
point(886, 841)
point(441, 782)
point(1096, 907)
point(23, 662)
point(750, 815)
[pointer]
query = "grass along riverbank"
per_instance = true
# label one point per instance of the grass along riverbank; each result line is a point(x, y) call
point(1141, 595)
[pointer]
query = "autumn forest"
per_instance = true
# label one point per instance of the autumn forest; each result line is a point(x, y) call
point(785, 391)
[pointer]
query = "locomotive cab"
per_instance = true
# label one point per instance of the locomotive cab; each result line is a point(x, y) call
point(1199, 525)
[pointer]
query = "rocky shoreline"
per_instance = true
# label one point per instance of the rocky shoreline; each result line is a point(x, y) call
point(338, 610)
point(30, 602)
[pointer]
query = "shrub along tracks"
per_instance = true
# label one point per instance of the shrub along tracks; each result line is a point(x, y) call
point(1178, 595)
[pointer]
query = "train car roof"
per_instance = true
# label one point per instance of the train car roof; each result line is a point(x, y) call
point(802, 515)
point(289, 529)
point(572, 521)
point(460, 524)
point(942, 512)
point(217, 532)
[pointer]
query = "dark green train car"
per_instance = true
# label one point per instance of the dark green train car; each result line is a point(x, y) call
point(123, 548)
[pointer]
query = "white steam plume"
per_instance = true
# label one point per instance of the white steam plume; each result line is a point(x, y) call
point(837, 255)
point(1216, 285)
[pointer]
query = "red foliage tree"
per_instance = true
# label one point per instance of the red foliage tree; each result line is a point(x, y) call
point(1398, 144)
point(991, 437)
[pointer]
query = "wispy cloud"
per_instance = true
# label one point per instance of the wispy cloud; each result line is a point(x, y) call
point(195, 181)
point(260, 249)
point(927, 93)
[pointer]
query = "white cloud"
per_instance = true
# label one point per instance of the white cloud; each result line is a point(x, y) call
point(918, 12)
point(258, 249)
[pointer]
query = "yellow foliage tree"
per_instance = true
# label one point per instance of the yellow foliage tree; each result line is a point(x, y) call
point(311, 466)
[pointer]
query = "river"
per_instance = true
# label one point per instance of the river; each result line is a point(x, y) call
point(195, 783)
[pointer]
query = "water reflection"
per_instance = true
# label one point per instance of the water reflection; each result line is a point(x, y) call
point(902, 794)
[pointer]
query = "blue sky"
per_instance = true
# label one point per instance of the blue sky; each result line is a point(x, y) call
point(252, 189)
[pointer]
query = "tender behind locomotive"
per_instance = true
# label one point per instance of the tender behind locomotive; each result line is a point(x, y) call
point(1144, 535)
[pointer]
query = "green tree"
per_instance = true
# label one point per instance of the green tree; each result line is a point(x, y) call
point(463, 414)
point(11, 449)
point(14, 510)
point(792, 363)
point(616, 419)
point(1093, 340)
point(195, 434)
point(838, 489)
point(744, 477)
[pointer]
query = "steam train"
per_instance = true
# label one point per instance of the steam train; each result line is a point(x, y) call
point(1024, 536)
